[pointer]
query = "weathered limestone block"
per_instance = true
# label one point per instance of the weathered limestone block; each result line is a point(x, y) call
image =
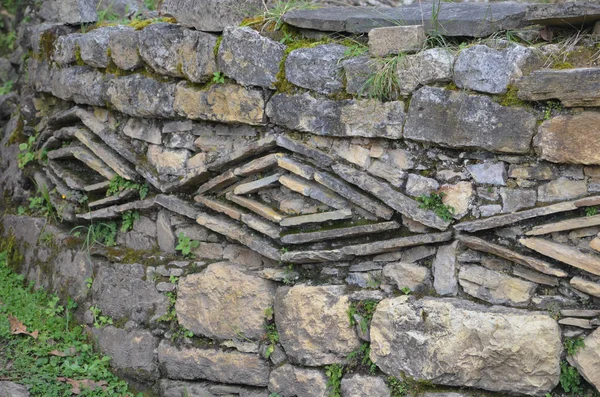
point(176, 388)
point(458, 120)
point(168, 161)
point(494, 287)
point(249, 58)
point(491, 70)
point(80, 84)
point(132, 352)
point(313, 324)
point(65, 49)
point(561, 189)
point(444, 270)
point(408, 275)
point(573, 87)
point(458, 196)
point(488, 173)
point(318, 68)
point(366, 118)
point(211, 15)
point(417, 185)
point(143, 129)
point(12, 389)
point(191, 363)
point(396, 39)
point(223, 302)
point(289, 381)
point(140, 96)
point(427, 67)
point(362, 385)
point(76, 11)
point(587, 359)
point(358, 70)
point(174, 51)
point(436, 340)
point(124, 48)
point(570, 139)
point(516, 199)
point(116, 284)
point(226, 103)
point(93, 46)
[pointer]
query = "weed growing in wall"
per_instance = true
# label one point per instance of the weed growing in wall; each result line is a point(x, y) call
point(118, 184)
point(434, 202)
point(334, 373)
point(365, 310)
point(186, 245)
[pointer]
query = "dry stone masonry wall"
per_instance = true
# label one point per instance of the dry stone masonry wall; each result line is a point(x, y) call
point(409, 193)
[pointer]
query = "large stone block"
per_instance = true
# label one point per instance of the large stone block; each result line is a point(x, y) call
point(570, 139)
point(174, 51)
point(427, 67)
point(318, 68)
point(65, 49)
point(289, 381)
point(587, 359)
point(133, 353)
point(396, 39)
point(123, 44)
point(189, 363)
point(249, 58)
point(313, 324)
point(226, 103)
point(366, 118)
point(76, 11)
point(361, 385)
point(80, 84)
point(211, 15)
point(141, 96)
point(93, 46)
point(114, 285)
point(458, 343)
point(223, 302)
point(458, 120)
point(573, 87)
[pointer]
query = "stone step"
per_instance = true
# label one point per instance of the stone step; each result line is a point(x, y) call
point(509, 219)
point(564, 253)
point(481, 245)
point(301, 238)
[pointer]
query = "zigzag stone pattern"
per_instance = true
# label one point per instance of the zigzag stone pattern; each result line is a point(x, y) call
point(257, 193)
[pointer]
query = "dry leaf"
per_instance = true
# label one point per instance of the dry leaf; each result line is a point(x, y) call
point(77, 385)
point(546, 33)
point(71, 351)
point(17, 327)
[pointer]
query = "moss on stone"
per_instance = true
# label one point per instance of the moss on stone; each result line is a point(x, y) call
point(511, 99)
point(47, 41)
point(217, 46)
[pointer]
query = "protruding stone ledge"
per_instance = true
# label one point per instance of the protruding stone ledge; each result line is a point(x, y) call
point(572, 87)
point(211, 15)
point(517, 351)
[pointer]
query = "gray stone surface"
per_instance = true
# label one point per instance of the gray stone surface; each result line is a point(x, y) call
point(444, 270)
point(249, 58)
point(145, 130)
point(76, 11)
point(175, 388)
point(489, 173)
point(431, 66)
point(133, 353)
point(211, 15)
point(141, 96)
point(168, 161)
point(362, 385)
point(366, 118)
point(124, 48)
point(517, 199)
point(290, 381)
point(80, 84)
point(517, 351)
point(65, 48)
point(417, 185)
point(491, 70)
point(12, 389)
point(313, 324)
point(174, 51)
point(223, 302)
point(454, 19)
point(563, 13)
point(116, 284)
point(190, 363)
point(587, 359)
point(573, 87)
point(561, 189)
point(396, 39)
point(459, 120)
point(93, 46)
point(408, 275)
point(495, 287)
point(317, 68)
point(358, 70)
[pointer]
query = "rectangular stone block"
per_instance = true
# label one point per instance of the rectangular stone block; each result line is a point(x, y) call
point(396, 39)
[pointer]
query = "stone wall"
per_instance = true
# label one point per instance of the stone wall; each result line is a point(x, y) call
point(429, 216)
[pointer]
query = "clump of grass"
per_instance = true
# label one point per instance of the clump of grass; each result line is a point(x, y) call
point(384, 84)
point(272, 17)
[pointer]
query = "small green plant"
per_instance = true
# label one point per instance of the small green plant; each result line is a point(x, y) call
point(552, 108)
point(287, 38)
point(272, 17)
point(405, 290)
point(42, 204)
point(384, 84)
point(104, 234)
point(361, 356)
point(128, 218)
point(100, 320)
point(591, 211)
point(434, 202)
point(271, 333)
point(573, 345)
point(118, 184)
point(6, 88)
point(26, 152)
point(173, 279)
point(570, 380)
point(274, 395)
point(218, 78)
point(334, 373)
point(88, 282)
point(150, 4)
point(397, 387)
point(365, 309)
point(186, 245)
point(21, 210)
point(355, 49)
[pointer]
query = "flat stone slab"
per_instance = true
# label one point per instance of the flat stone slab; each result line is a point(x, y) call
point(569, 13)
point(564, 253)
point(495, 287)
point(210, 15)
point(508, 219)
point(458, 120)
point(317, 218)
point(254, 186)
point(481, 245)
point(586, 286)
point(453, 19)
point(298, 147)
point(301, 238)
point(517, 351)
point(394, 244)
point(296, 167)
point(257, 207)
point(12, 389)
point(570, 139)
point(251, 149)
point(569, 224)
point(258, 165)
point(314, 191)
point(572, 87)
point(84, 155)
